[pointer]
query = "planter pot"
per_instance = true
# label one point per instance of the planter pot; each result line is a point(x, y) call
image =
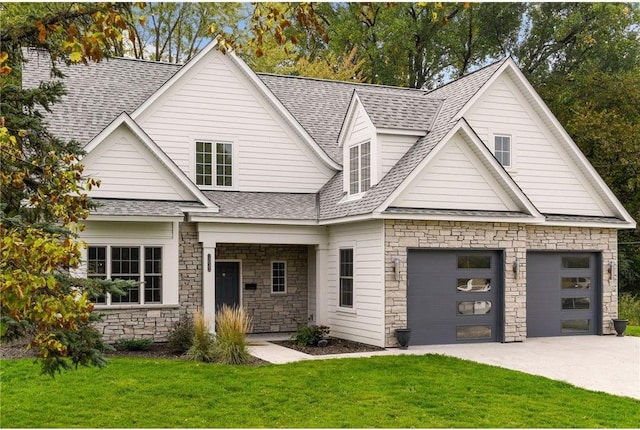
point(620, 325)
point(402, 336)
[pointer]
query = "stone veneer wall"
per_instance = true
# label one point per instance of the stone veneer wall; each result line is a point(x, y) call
point(514, 239)
point(271, 312)
point(155, 321)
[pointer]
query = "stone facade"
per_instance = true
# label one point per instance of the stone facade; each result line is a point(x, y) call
point(155, 321)
point(271, 312)
point(514, 239)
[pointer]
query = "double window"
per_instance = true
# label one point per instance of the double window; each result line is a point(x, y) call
point(502, 149)
point(219, 174)
point(359, 168)
point(142, 264)
point(346, 278)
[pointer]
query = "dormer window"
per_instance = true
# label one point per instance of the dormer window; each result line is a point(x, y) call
point(360, 168)
point(222, 174)
point(502, 149)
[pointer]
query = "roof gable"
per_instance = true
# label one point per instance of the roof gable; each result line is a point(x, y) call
point(130, 165)
point(460, 173)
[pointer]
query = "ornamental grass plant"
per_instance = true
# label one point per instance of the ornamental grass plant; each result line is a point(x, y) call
point(231, 345)
point(629, 308)
point(202, 346)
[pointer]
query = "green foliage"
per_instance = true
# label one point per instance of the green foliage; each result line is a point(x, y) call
point(231, 345)
point(310, 334)
point(632, 330)
point(130, 344)
point(629, 308)
point(429, 391)
point(202, 347)
point(181, 335)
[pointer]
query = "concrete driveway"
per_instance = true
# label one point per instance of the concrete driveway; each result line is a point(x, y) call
point(600, 363)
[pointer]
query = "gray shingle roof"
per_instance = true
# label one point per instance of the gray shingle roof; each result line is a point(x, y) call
point(289, 206)
point(456, 212)
point(408, 111)
point(126, 207)
point(96, 93)
point(579, 218)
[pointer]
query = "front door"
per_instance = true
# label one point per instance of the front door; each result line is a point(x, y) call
point(227, 284)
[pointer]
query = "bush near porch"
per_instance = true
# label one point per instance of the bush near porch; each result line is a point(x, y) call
point(398, 391)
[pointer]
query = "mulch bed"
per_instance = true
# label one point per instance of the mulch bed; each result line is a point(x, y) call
point(335, 346)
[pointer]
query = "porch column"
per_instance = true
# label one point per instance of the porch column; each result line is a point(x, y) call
point(209, 281)
point(322, 287)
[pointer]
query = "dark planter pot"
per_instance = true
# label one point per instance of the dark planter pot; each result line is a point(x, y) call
point(620, 325)
point(402, 336)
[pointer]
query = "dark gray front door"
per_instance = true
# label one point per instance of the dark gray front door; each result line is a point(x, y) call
point(454, 296)
point(227, 283)
point(563, 294)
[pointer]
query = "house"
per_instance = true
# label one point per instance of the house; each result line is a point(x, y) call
point(466, 213)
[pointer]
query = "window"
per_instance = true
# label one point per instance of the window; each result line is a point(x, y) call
point(503, 150)
point(346, 278)
point(133, 263)
point(360, 168)
point(278, 277)
point(223, 167)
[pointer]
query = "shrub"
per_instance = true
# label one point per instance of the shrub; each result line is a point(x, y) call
point(629, 308)
point(310, 334)
point(231, 345)
point(181, 335)
point(202, 346)
point(125, 344)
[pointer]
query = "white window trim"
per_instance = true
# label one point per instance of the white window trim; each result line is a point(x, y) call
point(285, 278)
point(512, 152)
point(234, 163)
point(347, 169)
point(109, 304)
point(347, 309)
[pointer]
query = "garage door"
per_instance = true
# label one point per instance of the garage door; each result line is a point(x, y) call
point(563, 294)
point(453, 296)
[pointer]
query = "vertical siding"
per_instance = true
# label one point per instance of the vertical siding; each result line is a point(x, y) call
point(541, 167)
point(213, 101)
point(455, 179)
point(127, 169)
point(366, 322)
point(393, 148)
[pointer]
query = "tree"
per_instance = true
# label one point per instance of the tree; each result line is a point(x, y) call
point(44, 196)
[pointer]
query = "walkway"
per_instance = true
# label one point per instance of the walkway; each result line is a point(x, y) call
point(600, 363)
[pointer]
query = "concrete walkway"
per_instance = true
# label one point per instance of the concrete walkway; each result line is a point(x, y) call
point(600, 363)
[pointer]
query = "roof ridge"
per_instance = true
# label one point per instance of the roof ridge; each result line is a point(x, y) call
point(469, 74)
point(367, 84)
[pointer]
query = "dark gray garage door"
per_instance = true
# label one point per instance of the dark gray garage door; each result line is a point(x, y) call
point(454, 296)
point(563, 294)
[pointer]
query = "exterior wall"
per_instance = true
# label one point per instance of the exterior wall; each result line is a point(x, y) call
point(155, 321)
point(514, 240)
point(215, 102)
point(540, 166)
point(128, 170)
point(365, 321)
point(271, 312)
point(392, 148)
point(360, 129)
point(442, 186)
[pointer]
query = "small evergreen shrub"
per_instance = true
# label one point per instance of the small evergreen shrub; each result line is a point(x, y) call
point(181, 335)
point(202, 346)
point(310, 334)
point(629, 308)
point(125, 344)
point(232, 326)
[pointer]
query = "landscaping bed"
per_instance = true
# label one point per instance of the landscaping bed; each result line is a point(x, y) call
point(334, 346)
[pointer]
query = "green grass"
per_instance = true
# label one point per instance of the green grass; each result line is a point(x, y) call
point(393, 391)
point(632, 330)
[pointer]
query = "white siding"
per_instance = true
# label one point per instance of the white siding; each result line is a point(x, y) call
point(360, 129)
point(393, 147)
point(541, 167)
point(128, 169)
point(455, 179)
point(215, 102)
point(366, 321)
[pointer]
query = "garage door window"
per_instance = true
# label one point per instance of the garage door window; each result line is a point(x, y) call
point(476, 307)
point(576, 262)
point(577, 326)
point(576, 303)
point(474, 262)
point(473, 332)
point(474, 285)
point(576, 283)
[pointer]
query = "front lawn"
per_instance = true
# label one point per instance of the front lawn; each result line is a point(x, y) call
point(632, 330)
point(390, 391)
